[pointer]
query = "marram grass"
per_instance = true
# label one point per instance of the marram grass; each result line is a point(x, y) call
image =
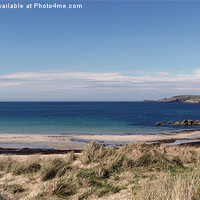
point(137, 172)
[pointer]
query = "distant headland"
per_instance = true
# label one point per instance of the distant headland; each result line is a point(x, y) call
point(193, 99)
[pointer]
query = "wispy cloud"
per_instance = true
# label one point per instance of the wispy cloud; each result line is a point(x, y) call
point(161, 73)
point(75, 85)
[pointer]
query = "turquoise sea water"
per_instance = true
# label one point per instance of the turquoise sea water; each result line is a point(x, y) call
point(93, 117)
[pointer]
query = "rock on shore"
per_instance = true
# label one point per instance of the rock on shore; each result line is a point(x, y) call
point(186, 122)
point(161, 123)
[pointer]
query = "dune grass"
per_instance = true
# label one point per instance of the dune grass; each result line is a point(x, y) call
point(100, 172)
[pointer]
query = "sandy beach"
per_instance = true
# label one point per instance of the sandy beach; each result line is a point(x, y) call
point(33, 138)
point(73, 142)
point(143, 138)
point(40, 142)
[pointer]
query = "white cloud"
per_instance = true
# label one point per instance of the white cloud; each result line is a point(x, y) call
point(161, 73)
point(74, 85)
point(9, 84)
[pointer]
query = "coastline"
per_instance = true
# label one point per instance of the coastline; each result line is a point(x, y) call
point(143, 138)
point(80, 142)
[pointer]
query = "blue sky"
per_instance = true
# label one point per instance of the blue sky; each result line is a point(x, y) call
point(108, 50)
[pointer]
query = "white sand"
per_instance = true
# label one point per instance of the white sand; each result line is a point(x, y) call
point(15, 138)
point(142, 138)
point(65, 142)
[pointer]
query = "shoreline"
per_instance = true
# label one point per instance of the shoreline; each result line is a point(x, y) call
point(139, 138)
point(80, 142)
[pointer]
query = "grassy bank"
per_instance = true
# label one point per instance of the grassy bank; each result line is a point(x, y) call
point(139, 172)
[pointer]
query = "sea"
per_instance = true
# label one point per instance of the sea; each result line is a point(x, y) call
point(110, 118)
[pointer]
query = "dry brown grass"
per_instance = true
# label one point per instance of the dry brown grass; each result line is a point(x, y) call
point(131, 156)
point(145, 172)
point(168, 186)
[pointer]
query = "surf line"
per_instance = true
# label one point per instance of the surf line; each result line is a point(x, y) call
point(11, 6)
